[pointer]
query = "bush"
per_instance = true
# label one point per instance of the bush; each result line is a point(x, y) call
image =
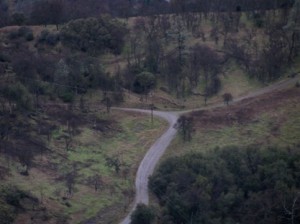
point(43, 36)
point(258, 20)
point(18, 18)
point(19, 94)
point(14, 34)
point(49, 38)
point(142, 214)
point(7, 214)
point(29, 37)
point(24, 31)
point(52, 39)
point(67, 96)
point(144, 82)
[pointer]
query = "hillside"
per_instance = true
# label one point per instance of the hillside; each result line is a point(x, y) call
point(66, 156)
point(240, 164)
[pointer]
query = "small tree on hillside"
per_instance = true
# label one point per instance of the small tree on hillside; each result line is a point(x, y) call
point(227, 97)
point(186, 127)
point(115, 162)
point(144, 82)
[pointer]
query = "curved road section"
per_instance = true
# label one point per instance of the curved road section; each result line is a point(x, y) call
point(151, 158)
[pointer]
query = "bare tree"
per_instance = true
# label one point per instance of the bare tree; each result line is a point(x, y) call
point(292, 210)
point(186, 127)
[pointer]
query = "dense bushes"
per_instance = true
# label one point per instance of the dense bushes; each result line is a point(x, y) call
point(142, 214)
point(94, 35)
point(48, 38)
point(144, 82)
point(23, 32)
point(10, 203)
point(230, 186)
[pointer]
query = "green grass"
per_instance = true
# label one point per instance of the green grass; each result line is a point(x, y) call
point(87, 157)
point(278, 128)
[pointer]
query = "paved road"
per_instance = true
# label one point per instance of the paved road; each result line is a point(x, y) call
point(151, 158)
point(153, 155)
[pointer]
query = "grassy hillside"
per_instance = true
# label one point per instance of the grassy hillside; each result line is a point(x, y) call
point(68, 159)
point(77, 184)
point(268, 120)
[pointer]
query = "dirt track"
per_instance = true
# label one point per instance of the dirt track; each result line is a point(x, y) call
point(153, 155)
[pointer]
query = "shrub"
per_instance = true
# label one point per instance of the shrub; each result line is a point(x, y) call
point(29, 37)
point(49, 38)
point(6, 212)
point(144, 82)
point(52, 39)
point(23, 31)
point(67, 96)
point(14, 34)
point(142, 214)
point(43, 36)
point(18, 18)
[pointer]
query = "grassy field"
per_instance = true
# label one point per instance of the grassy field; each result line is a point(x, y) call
point(270, 120)
point(134, 134)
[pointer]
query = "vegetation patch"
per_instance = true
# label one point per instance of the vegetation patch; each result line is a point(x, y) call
point(92, 173)
point(229, 185)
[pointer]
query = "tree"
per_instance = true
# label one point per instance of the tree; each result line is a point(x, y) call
point(56, 11)
point(115, 162)
point(47, 12)
point(153, 42)
point(107, 102)
point(142, 215)
point(25, 158)
point(186, 126)
point(70, 179)
point(209, 61)
point(293, 28)
point(245, 185)
point(97, 179)
point(18, 18)
point(144, 82)
point(39, 13)
point(94, 35)
point(18, 97)
point(227, 97)
point(4, 13)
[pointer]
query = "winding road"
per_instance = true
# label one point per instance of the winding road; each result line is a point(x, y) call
point(153, 155)
point(151, 158)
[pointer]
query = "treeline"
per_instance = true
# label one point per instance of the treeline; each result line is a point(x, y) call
point(29, 74)
point(163, 41)
point(58, 11)
point(230, 185)
point(179, 6)
point(157, 50)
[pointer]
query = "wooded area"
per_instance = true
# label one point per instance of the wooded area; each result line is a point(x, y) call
point(230, 185)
